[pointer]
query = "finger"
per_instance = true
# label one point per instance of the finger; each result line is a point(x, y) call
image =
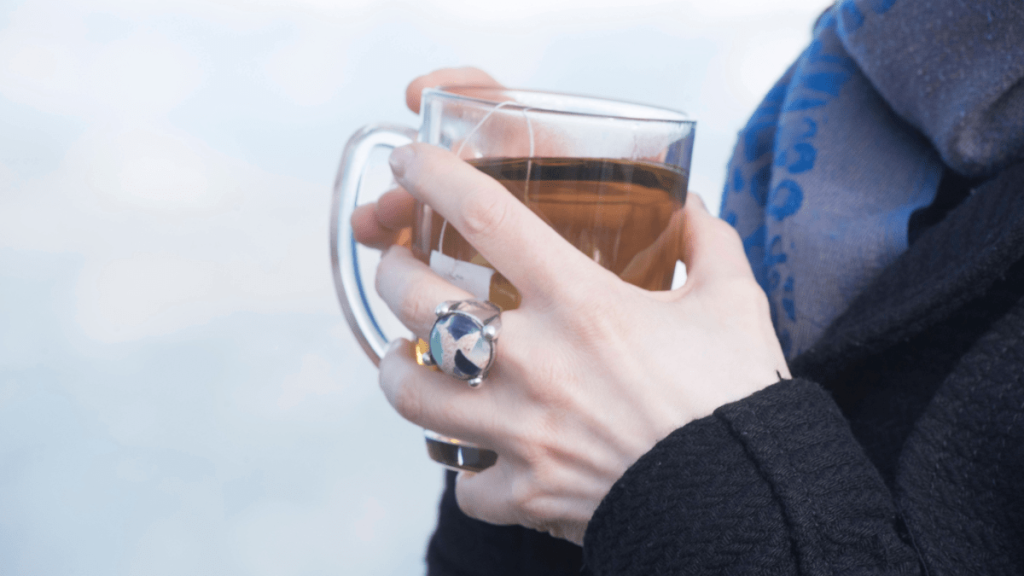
point(711, 248)
point(381, 224)
point(506, 494)
point(466, 76)
point(412, 290)
point(368, 231)
point(508, 234)
point(395, 209)
point(434, 400)
point(487, 495)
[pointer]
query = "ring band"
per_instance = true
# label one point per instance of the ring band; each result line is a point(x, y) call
point(458, 455)
point(464, 339)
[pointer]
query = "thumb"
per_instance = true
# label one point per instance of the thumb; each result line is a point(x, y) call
point(711, 248)
point(466, 76)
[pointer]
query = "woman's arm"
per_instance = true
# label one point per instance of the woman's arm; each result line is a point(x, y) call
point(774, 483)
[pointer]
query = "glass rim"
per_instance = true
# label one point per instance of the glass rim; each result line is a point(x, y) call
point(665, 115)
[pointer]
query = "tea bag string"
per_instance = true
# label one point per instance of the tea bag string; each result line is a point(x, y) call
point(529, 128)
point(529, 162)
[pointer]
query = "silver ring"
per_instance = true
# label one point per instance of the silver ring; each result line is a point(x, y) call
point(464, 339)
point(456, 454)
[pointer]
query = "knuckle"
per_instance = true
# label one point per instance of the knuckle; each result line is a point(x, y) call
point(419, 169)
point(543, 371)
point(534, 512)
point(725, 231)
point(730, 239)
point(387, 269)
point(600, 323)
point(412, 309)
point(400, 390)
point(529, 443)
point(540, 395)
point(744, 296)
point(484, 213)
point(752, 292)
point(407, 402)
point(396, 282)
point(551, 390)
point(532, 504)
point(524, 499)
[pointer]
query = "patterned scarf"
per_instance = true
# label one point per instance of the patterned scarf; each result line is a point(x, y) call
point(854, 138)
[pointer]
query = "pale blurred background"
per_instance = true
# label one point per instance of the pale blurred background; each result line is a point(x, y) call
point(179, 392)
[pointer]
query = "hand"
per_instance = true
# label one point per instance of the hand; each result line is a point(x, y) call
point(590, 371)
point(383, 223)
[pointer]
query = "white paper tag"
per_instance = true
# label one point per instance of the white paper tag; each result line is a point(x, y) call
point(472, 278)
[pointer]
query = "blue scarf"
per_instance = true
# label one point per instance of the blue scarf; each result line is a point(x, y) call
point(855, 137)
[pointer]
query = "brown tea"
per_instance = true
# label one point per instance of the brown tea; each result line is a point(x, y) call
point(617, 212)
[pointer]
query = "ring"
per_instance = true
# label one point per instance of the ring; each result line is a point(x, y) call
point(463, 339)
point(455, 454)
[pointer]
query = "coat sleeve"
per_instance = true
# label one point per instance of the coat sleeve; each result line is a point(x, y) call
point(772, 484)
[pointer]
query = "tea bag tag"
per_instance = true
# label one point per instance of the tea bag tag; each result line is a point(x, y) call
point(472, 278)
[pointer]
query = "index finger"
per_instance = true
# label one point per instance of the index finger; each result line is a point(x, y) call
point(466, 76)
point(531, 254)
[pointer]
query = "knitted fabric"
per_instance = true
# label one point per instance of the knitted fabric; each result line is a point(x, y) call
point(851, 142)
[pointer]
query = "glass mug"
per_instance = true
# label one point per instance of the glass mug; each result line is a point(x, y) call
point(611, 177)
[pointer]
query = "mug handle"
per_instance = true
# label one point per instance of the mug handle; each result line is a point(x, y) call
point(344, 258)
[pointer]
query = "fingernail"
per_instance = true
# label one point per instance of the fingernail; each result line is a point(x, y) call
point(399, 159)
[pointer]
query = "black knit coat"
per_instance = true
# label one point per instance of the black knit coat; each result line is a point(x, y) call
point(898, 448)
